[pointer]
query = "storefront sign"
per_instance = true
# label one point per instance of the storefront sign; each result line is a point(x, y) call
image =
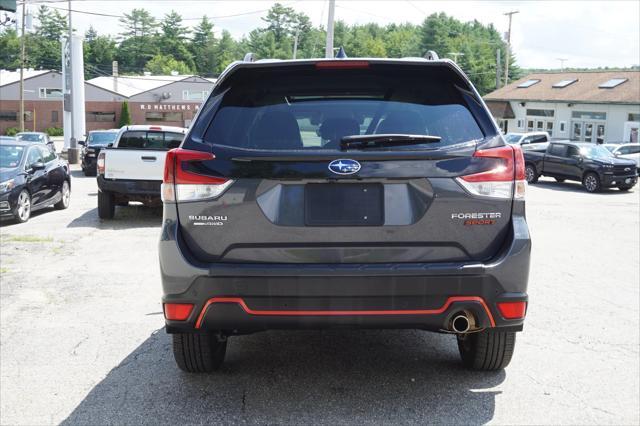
point(169, 107)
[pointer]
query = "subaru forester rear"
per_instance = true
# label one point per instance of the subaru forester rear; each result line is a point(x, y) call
point(344, 193)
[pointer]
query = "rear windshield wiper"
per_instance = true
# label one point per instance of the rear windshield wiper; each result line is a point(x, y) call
point(390, 139)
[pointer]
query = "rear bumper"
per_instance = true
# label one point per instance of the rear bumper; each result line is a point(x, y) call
point(133, 189)
point(242, 298)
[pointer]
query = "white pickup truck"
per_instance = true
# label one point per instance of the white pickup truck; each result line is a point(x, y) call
point(132, 169)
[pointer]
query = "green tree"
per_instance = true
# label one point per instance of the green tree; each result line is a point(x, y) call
point(203, 47)
point(165, 65)
point(43, 48)
point(99, 53)
point(226, 51)
point(10, 48)
point(125, 116)
point(173, 39)
point(139, 41)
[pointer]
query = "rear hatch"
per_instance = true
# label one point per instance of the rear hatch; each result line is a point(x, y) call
point(265, 176)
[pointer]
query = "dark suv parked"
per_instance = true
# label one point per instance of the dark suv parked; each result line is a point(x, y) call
point(344, 193)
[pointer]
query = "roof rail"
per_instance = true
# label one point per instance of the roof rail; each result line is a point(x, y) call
point(249, 57)
point(431, 55)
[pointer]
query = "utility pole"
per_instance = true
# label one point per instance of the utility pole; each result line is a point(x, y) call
point(22, 63)
point(455, 55)
point(328, 51)
point(508, 55)
point(498, 68)
point(562, 61)
point(73, 147)
point(295, 43)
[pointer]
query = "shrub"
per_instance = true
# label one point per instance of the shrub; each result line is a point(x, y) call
point(11, 131)
point(125, 117)
point(54, 131)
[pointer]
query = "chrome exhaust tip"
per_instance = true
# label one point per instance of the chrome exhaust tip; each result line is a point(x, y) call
point(461, 323)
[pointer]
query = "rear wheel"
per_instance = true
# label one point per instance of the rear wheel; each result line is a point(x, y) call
point(65, 193)
point(591, 182)
point(485, 350)
point(198, 353)
point(106, 205)
point(530, 173)
point(22, 212)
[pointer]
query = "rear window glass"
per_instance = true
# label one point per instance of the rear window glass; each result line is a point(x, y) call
point(140, 139)
point(102, 138)
point(314, 109)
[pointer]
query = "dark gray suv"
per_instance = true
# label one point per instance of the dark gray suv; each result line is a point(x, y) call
point(353, 193)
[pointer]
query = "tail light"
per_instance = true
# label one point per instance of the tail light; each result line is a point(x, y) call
point(100, 163)
point(512, 310)
point(177, 311)
point(181, 184)
point(505, 180)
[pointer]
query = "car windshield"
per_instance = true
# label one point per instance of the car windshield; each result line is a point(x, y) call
point(30, 137)
point(102, 138)
point(291, 110)
point(596, 152)
point(10, 156)
point(611, 148)
point(512, 138)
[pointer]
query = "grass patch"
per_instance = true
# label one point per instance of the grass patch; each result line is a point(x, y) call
point(27, 239)
point(3, 270)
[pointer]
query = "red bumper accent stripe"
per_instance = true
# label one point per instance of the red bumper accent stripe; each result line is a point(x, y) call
point(250, 311)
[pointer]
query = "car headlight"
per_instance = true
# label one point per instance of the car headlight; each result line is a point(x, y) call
point(7, 186)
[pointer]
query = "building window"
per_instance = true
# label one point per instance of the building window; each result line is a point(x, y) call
point(564, 83)
point(54, 116)
point(529, 125)
point(633, 117)
point(28, 116)
point(550, 128)
point(8, 116)
point(93, 116)
point(614, 82)
point(563, 125)
point(194, 95)
point(528, 83)
point(520, 124)
point(541, 112)
point(589, 115)
point(163, 116)
point(50, 93)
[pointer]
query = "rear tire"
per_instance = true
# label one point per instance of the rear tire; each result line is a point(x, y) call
point(591, 182)
point(65, 199)
point(106, 205)
point(530, 173)
point(198, 353)
point(487, 350)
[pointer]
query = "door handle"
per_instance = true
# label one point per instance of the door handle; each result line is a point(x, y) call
point(148, 158)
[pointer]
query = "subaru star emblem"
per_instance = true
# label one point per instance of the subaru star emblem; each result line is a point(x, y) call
point(344, 167)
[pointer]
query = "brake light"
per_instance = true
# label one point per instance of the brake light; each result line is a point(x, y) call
point(177, 311)
point(182, 184)
point(505, 180)
point(512, 310)
point(100, 163)
point(341, 64)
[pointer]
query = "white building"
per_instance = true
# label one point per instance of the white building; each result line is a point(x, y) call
point(581, 106)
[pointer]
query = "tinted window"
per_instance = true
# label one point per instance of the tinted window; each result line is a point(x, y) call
point(31, 137)
point(629, 150)
point(558, 150)
point(572, 150)
point(47, 154)
point(314, 109)
point(34, 156)
point(10, 155)
point(150, 140)
point(102, 138)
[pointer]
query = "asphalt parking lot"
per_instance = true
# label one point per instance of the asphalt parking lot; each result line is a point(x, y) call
point(82, 339)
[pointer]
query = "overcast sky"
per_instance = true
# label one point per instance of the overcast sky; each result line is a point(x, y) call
point(586, 33)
